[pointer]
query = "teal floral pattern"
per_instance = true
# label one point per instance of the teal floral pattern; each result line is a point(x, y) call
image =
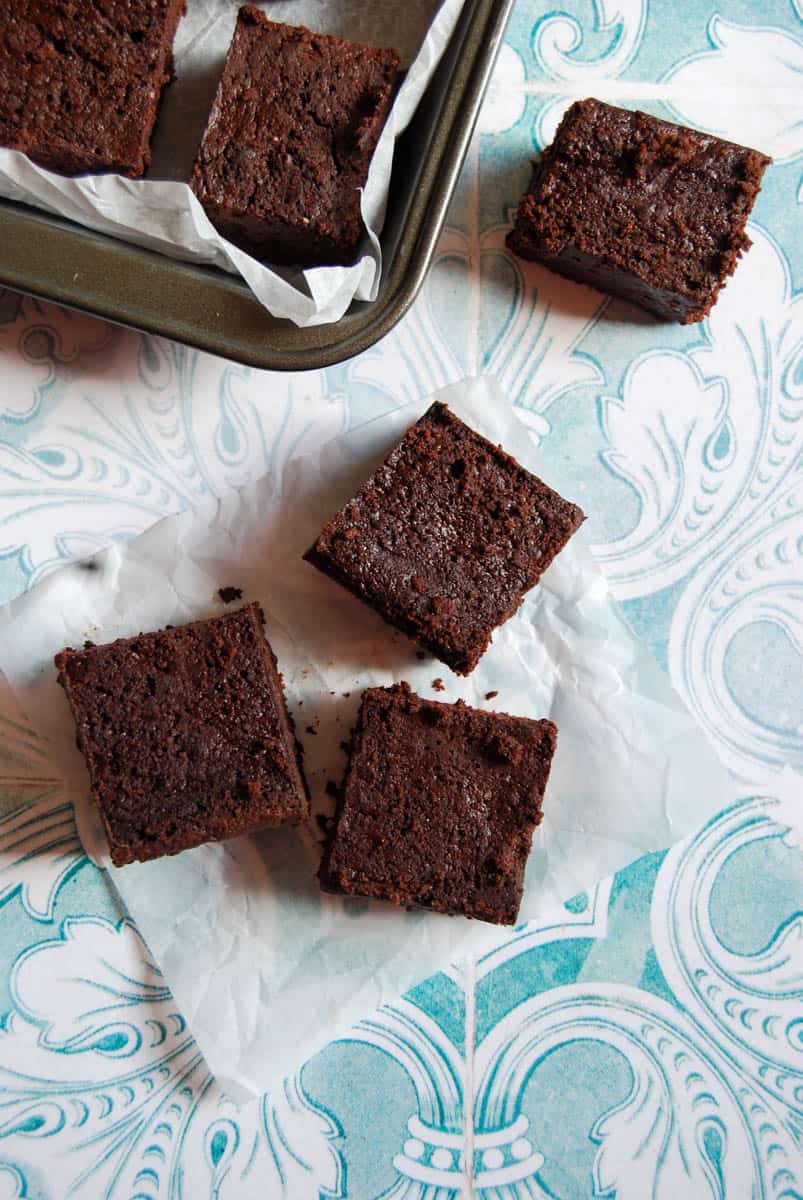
point(646, 1041)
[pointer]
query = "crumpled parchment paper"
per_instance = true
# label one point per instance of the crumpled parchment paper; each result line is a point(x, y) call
point(264, 966)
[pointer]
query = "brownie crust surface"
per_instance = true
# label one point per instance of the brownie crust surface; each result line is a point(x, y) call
point(640, 207)
point(80, 83)
point(290, 138)
point(439, 806)
point(185, 734)
point(446, 537)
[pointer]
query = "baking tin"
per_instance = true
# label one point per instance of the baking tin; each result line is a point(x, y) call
point(204, 307)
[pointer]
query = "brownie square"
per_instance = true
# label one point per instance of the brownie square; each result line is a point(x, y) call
point(290, 138)
point(186, 735)
point(650, 211)
point(439, 805)
point(80, 84)
point(446, 537)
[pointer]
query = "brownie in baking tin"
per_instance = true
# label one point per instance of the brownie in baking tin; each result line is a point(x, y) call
point(439, 805)
point(290, 139)
point(639, 207)
point(186, 735)
point(80, 83)
point(446, 537)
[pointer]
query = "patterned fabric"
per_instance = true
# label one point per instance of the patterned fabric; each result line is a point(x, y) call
point(648, 1040)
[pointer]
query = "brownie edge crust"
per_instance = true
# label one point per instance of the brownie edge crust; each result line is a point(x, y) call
point(185, 734)
point(438, 806)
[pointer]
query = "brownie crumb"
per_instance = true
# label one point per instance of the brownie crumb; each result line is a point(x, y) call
point(438, 684)
point(332, 789)
point(491, 695)
point(230, 594)
point(311, 729)
point(505, 748)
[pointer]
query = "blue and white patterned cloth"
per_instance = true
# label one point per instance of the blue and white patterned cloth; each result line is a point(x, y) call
point(646, 1042)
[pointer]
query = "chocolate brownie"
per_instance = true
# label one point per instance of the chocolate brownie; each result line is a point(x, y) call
point(290, 138)
point(80, 83)
point(650, 211)
point(186, 735)
point(446, 537)
point(439, 805)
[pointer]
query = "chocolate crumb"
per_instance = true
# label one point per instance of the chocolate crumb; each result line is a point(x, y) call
point(505, 748)
point(438, 684)
point(491, 695)
point(229, 594)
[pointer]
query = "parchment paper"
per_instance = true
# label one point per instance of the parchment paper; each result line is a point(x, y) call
point(265, 967)
point(161, 212)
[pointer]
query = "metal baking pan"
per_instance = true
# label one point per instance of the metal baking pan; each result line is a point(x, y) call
point(204, 307)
